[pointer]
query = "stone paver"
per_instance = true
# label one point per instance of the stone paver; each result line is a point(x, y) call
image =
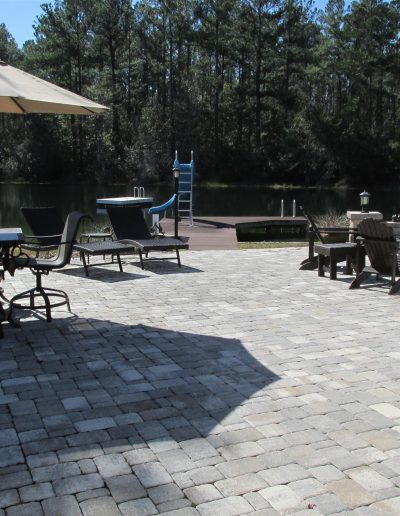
point(152, 474)
point(165, 493)
point(125, 487)
point(112, 465)
point(8, 436)
point(103, 506)
point(231, 506)
point(282, 498)
point(28, 509)
point(60, 506)
point(142, 507)
point(240, 485)
point(352, 494)
point(10, 455)
point(245, 386)
point(8, 497)
point(202, 494)
point(77, 484)
point(36, 492)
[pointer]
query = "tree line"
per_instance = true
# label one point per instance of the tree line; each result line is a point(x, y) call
point(263, 91)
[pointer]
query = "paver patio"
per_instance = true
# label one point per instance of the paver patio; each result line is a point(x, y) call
point(236, 385)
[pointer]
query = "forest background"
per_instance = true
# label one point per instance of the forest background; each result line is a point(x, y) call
point(263, 91)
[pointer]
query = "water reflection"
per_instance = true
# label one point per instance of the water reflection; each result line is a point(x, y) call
point(239, 201)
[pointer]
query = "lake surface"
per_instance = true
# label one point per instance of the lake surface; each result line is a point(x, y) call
point(230, 201)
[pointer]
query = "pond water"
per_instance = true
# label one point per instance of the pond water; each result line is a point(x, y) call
point(229, 201)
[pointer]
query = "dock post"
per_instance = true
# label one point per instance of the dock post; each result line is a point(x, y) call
point(294, 208)
point(282, 209)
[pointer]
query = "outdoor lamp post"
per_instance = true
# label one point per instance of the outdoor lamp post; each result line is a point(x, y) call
point(176, 171)
point(364, 199)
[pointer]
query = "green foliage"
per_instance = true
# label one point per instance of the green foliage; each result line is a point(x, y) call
point(264, 91)
point(8, 47)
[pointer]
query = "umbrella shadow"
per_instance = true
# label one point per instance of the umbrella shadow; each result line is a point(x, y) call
point(183, 384)
point(116, 393)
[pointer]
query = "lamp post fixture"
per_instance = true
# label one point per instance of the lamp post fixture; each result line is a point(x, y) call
point(176, 171)
point(364, 199)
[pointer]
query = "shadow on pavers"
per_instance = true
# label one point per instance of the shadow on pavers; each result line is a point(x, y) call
point(95, 390)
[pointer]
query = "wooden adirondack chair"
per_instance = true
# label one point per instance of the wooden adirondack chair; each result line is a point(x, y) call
point(382, 250)
point(315, 233)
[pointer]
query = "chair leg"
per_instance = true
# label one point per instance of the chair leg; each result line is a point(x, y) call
point(395, 287)
point(85, 265)
point(47, 304)
point(119, 262)
point(67, 302)
point(141, 259)
point(321, 265)
point(360, 277)
point(349, 266)
point(178, 257)
point(32, 298)
point(309, 265)
point(45, 294)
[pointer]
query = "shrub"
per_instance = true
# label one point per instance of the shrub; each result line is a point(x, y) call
point(331, 219)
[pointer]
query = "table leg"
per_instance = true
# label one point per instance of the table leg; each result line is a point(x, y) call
point(321, 263)
point(3, 317)
point(333, 269)
point(5, 313)
point(349, 268)
point(2, 296)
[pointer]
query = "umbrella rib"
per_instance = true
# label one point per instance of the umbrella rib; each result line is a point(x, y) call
point(18, 104)
point(90, 111)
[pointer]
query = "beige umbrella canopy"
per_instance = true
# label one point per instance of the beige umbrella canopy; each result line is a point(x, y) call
point(21, 92)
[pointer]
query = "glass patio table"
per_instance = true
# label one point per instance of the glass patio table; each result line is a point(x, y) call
point(143, 202)
point(10, 238)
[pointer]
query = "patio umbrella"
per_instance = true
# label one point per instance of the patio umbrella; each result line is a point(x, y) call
point(21, 92)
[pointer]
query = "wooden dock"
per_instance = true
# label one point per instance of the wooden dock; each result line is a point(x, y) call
point(220, 232)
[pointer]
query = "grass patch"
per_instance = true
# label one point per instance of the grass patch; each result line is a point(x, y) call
point(270, 245)
point(274, 186)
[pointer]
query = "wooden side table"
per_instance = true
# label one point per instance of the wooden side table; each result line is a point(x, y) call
point(335, 253)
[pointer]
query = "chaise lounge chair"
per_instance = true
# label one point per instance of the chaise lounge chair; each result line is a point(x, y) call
point(382, 250)
point(130, 227)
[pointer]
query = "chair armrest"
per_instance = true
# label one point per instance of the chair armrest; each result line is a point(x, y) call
point(37, 243)
point(41, 237)
point(393, 241)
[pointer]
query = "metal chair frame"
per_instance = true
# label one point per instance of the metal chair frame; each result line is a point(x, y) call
point(42, 266)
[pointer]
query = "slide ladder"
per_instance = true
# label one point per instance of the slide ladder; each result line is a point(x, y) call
point(185, 191)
